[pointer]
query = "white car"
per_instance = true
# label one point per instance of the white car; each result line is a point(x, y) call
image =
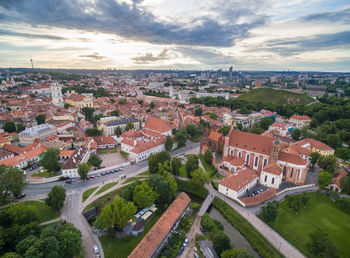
point(186, 242)
point(96, 251)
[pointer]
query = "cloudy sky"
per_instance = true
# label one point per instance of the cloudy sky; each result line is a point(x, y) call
point(176, 34)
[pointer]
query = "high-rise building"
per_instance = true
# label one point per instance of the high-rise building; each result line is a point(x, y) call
point(56, 94)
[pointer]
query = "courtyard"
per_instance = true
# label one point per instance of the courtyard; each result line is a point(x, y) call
point(111, 157)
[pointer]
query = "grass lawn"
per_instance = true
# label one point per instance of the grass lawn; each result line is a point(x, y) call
point(146, 173)
point(88, 192)
point(43, 174)
point(320, 212)
point(124, 154)
point(196, 138)
point(106, 187)
point(183, 172)
point(122, 247)
point(43, 212)
point(132, 179)
point(268, 95)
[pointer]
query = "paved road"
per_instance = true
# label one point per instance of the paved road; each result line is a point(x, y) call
point(72, 210)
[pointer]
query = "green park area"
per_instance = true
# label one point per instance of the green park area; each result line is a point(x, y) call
point(106, 187)
point(320, 212)
point(88, 192)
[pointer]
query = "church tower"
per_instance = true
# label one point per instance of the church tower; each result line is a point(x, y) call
point(275, 150)
point(56, 94)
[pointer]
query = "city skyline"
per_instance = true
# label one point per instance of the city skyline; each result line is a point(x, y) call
point(161, 34)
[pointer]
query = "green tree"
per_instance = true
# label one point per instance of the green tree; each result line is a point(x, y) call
point(168, 143)
point(314, 157)
point(155, 159)
point(192, 130)
point(191, 163)
point(152, 105)
point(49, 160)
point(324, 178)
point(144, 196)
point(343, 153)
point(180, 138)
point(266, 122)
point(69, 240)
point(199, 177)
point(118, 131)
point(198, 111)
point(129, 126)
point(235, 253)
point(221, 242)
point(66, 105)
point(244, 111)
point(95, 160)
point(334, 140)
point(328, 163)
point(240, 126)
point(176, 165)
point(345, 184)
point(93, 132)
point(9, 127)
point(269, 212)
point(320, 245)
point(11, 255)
point(20, 128)
point(115, 113)
point(256, 129)
point(25, 244)
point(83, 170)
point(116, 214)
point(296, 134)
point(213, 116)
point(40, 119)
point(11, 179)
point(208, 157)
point(88, 112)
point(20, 214)
point(225, 130)
point(55, 199)
point(161, 187)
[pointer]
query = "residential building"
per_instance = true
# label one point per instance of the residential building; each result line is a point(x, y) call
point(300, 121)
point(155, 127)
point(70, 168)
point(28, 136)
point(225, 95)
point(154, 241)
point(5, 155)
point(334, 185)
point(109, 127)
point(104, 142)
point(315, 146)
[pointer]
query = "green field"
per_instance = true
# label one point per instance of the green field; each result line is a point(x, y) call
point(106, 187)
point(43, 212)
point(320, 212)
point(88, 192)
point(268, 95)
point(114, 247)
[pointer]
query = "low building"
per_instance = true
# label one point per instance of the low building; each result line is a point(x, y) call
point(334, 185)
point(5, 155)
point(315, 146)
point(239, 183)
point(23, 160)
point(154, 241)
point(70, 168)
point(271, 175)
point(156, 126)
point(104, 142)
point(109, 127)
point(300, 121)
point(42, 131)
point(282, 128)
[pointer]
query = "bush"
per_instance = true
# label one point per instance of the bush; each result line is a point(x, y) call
point(188, 187)
point(258, 242)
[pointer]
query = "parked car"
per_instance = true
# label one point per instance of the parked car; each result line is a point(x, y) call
point(185, 242)
point(203, 230)
point(96, 251)
point(70, 181)
point(181, 250)
point(21, 196)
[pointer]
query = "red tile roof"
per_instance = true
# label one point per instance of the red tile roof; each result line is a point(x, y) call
point(153, 239)
point(240, 179)
point(24, 156)
point(297, 117)
point(338, 175)
point(309, 142)
point(273, 168)
point(157, 124)
point(214, 136)
point(291, 158)
point(103, 140)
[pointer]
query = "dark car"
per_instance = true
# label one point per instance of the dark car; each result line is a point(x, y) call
point(70, 181)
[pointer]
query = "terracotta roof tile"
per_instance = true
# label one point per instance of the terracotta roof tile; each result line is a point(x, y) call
point(273, 168)
point(240, 179)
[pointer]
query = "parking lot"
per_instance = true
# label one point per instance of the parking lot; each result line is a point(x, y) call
point(257, 189)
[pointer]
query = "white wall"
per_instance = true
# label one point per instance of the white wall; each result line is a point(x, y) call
point(269, 177)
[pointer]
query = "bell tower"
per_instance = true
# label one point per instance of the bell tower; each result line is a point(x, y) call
point(56, 94)
point(275, 151)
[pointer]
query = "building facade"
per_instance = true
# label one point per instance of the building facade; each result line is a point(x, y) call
point(56, 94)
point(42, 131)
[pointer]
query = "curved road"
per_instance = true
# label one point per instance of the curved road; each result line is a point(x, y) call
point(72, 211)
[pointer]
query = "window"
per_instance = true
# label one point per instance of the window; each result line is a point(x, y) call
point(264, 163)
point(256, 161)
point(231, 152)
point(273, 180)
point(247, 159)
point(299, 174)
point(239, 154)
point(265, 178)
point(284, 170)
point(291, 172)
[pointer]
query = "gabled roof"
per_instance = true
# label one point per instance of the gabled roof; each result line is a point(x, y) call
point(309, 142)
point(214, 136)
point(273, 168)
point(157, 124)
point(240, 179)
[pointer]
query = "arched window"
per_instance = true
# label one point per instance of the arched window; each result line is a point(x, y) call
point(231, 152)
point(247, 159)
point(291, 172)
point(239, 154)
point(284, 170)
point(256, 161)
point(273, 180)
point(264, 163)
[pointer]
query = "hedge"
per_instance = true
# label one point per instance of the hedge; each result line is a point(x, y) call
point(188, 187)
point(258, 242)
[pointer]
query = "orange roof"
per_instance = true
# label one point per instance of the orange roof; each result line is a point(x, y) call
point(234, 161)
point(66, 153)
point(102, 140)
point(291, 158)
point(240, 179)
point(149, 244)
point(309, 142)
point(76, 97)
point(214, 136)
point(259, 198)
point(19, 150)
point(273, 168)
point(24, 156)
point(157, 124)
point(297, 117)
point(252, 142)
point(338, 176)
point(143, 146)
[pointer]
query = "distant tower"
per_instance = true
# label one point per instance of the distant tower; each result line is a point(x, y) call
point(31, 61)
point(56, 94)
point(230, 73)
point(171, 92)
point(275, 150)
